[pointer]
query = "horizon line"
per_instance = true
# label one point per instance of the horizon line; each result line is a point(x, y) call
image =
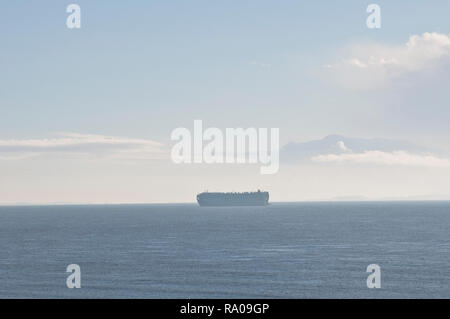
point(20, 204)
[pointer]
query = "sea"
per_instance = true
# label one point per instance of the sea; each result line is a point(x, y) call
point(284, 250)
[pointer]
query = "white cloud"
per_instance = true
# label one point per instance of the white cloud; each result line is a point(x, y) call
point(342, 146)
point(384, 158)
point(90, 144)
point(373, 65)
point(72, 139)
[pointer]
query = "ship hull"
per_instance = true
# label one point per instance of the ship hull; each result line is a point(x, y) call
point(233, 199)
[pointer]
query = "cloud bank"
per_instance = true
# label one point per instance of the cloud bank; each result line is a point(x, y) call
point(372, 66)
point(334, 149)
point(88, 144)
point(384, 158)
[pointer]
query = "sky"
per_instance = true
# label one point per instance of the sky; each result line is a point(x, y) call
point(86, 114)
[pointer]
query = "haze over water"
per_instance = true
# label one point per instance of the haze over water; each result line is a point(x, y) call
point(298, 250)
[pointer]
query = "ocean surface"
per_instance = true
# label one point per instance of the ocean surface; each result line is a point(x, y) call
point(298, 250)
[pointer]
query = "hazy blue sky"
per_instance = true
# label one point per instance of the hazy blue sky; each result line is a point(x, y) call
point(136, 70)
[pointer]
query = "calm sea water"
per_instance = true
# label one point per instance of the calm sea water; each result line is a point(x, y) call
point(306, 250)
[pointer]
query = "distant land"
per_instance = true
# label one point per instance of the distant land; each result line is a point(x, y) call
point(360, 198)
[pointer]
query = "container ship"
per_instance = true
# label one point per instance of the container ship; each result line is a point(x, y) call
point(258, 198)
